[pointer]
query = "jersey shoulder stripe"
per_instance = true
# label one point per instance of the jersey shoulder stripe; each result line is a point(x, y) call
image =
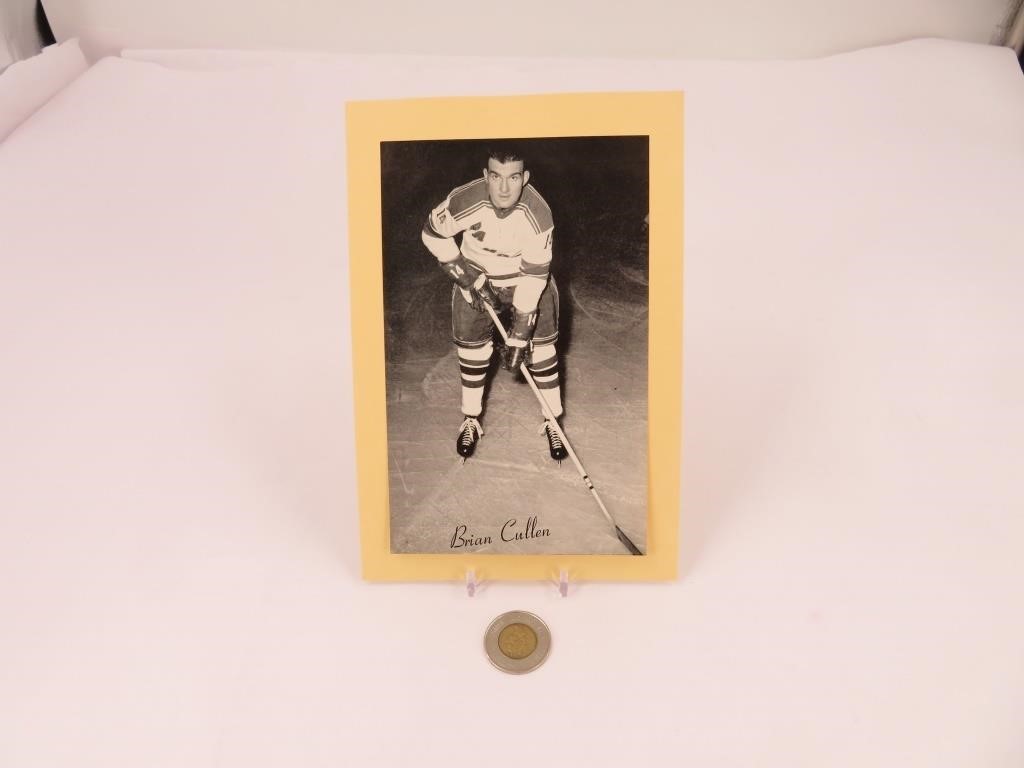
point(536, 209)
point(472, 209)
point(468, 196)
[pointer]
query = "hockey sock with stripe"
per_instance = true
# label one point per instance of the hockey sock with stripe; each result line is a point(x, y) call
point(543, 366)
point(473, 365)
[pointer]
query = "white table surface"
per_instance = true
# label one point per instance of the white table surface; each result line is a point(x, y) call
point(179, 575)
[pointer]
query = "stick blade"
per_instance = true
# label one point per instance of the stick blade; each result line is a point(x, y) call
point(626, 542)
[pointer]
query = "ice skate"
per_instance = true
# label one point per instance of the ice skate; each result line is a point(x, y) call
point(555, 444)
point(469, 434)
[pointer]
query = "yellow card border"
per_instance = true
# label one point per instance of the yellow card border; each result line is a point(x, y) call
point(658, 115)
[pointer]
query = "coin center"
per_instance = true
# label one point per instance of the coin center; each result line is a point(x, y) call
point(517, 641)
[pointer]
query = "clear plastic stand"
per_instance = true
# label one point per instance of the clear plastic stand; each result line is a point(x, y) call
point(472, 583)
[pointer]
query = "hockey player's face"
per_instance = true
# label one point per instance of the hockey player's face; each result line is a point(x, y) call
point(505, 182)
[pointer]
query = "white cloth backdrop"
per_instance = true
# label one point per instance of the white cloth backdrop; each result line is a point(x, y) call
point(178, 533)
point(642, 28)
point(19, 38)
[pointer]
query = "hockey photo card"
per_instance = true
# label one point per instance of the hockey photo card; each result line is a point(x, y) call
point(516, 273)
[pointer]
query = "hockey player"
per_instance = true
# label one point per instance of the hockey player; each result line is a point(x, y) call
point(503, 260)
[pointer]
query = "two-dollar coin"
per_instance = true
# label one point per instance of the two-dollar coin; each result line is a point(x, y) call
point(517, 642)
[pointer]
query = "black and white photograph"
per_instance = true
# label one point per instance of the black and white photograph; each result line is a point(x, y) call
point(515, 278)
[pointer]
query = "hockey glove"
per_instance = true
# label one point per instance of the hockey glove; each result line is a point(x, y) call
point(475, 287)
point(519, 336)
point(483, 293)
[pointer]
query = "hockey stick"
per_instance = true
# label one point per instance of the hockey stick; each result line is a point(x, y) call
point(546, 409)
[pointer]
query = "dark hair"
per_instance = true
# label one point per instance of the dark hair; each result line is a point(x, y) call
point(505, 153)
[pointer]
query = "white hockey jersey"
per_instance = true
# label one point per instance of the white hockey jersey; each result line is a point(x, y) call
point(511, 246)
